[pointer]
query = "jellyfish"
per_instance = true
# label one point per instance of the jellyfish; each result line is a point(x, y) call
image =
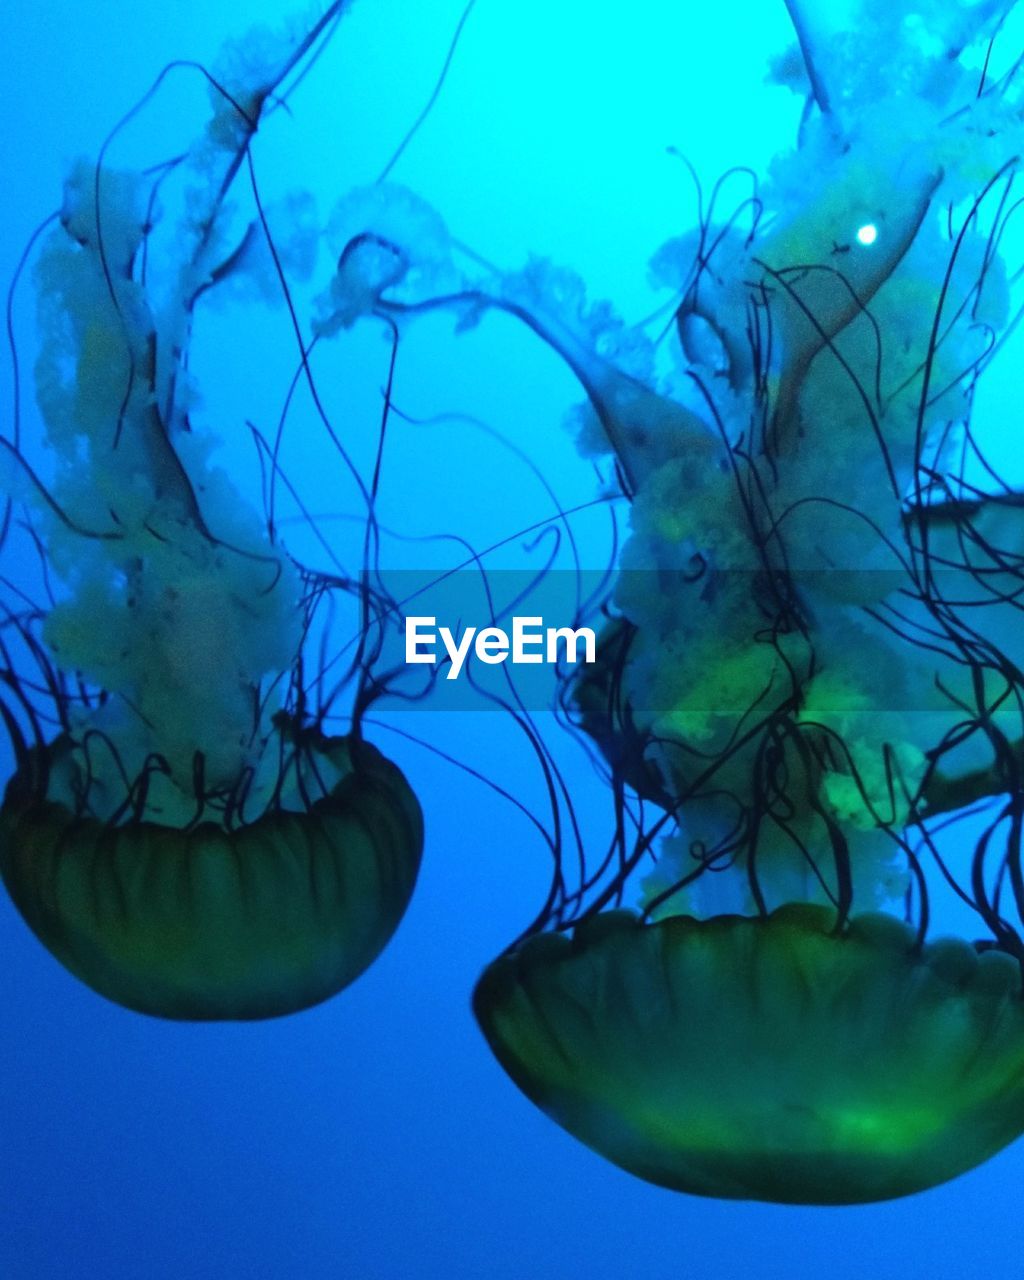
point(187, 830)
point(808, 698)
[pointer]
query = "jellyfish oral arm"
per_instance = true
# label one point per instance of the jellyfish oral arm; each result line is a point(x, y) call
point(825, 303)
point(641, 426)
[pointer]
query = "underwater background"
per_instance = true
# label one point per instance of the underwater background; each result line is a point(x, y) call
point(375, 1137)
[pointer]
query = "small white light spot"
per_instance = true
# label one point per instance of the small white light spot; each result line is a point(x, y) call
point(867, 234)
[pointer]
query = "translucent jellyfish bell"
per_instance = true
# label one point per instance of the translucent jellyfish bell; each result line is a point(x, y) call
point(766, 1059)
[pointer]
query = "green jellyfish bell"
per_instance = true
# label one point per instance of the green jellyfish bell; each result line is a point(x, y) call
point(207, 923)
point(766, 1058)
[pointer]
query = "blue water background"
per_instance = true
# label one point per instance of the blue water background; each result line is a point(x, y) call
point(375, 1138)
